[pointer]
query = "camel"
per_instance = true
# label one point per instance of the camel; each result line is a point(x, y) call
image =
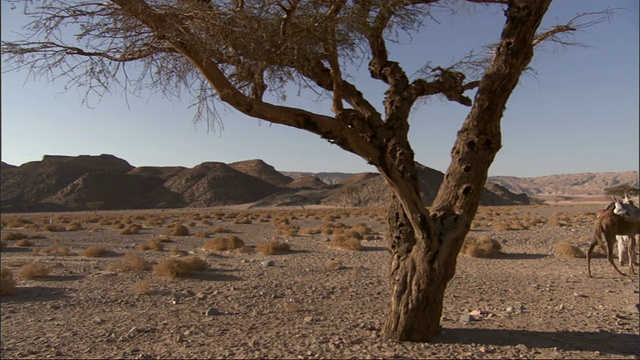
point(620, 218)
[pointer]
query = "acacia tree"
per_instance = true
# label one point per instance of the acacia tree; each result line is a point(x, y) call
point(247, 53)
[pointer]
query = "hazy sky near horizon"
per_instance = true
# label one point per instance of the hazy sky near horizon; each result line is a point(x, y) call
point(576, 111)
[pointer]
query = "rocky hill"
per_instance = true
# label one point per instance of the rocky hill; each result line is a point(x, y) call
point(567, 184)
point(61, 183)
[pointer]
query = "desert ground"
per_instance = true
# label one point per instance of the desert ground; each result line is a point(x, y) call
point(93, 285)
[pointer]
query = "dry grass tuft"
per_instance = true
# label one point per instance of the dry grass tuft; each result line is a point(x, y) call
point(130, 262)
point(130, 229)
point(347, 243)
point(93, 251)
point(565, 249)
point(154, 244)
point(23, 243)
point(220, 230)
point(218, 244)
point(273, 247)
point(482, 247)
point(33, 270)
point(55, 250)
point(14, 236)
point(54, 228)
point(141, 287)
point(173, 268)
point(7, 282)
point(177, 229)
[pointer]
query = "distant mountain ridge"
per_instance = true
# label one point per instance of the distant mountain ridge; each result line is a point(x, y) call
point(62, 183)
point(567, 184)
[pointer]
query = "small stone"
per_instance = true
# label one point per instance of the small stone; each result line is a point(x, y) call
point(510, 309)
point(308, 319)
point(212, 312)
point(267, 263)
point(634, 309)
point(465, 318)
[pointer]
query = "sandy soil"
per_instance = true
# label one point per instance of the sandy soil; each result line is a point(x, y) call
point(526, 303)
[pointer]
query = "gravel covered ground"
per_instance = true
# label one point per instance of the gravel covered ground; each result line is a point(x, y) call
point(313, 301)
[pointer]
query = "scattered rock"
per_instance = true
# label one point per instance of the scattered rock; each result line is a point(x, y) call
point(212, 312)
point(267, 263)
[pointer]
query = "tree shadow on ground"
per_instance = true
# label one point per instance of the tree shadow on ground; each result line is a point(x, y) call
point(604, 342)
point(35, 293)
point(374, 248)
point(517, 256)
point(215, 275)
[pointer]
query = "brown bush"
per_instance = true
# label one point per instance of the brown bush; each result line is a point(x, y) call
point(154, 244)
point(54, 228)
point(178, 230)
point(130, 229)
point(347, 243)
point(223, 244)
point(172, 268)
point(566, 249)
point(483, 247)
point(361, 228)
point(55, 250)
point(141, 287)
point(33, 270)
point(202, 235)
point(23, 243)
point(7, 282)
point(130, 262)
point(273, 247)
point(73, 226)
point(93, 251)
point(14, 236)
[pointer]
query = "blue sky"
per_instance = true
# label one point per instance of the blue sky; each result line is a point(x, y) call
point(576, 112)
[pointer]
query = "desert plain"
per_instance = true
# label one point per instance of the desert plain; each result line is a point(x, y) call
point(85, 287)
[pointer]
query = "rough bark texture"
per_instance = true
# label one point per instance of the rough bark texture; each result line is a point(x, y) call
point(424, 258)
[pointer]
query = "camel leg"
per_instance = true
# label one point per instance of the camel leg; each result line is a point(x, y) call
point(593, 244)
point(611, 240)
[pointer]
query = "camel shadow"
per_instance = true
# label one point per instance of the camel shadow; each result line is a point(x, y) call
point(604, 342)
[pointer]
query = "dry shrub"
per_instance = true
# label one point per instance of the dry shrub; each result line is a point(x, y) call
point(483, 247)
point(177, 229)
point(361, 228)
point(14, 236)
point(7, 282)
point(273, 247)
point(347, 243)
point(131, 262)
point(223, 244)
point(154, 244)
point(566, 249)
point(202, 235)
point(334, 264)
point(500, 226)
point(55, 250)
point(105, 222)
point(130, 229)
point(93, 251)
point(244, 221)
point(54, 228)
point(73, 226)
point(24, 242)
point(557, 222)
point(173, 268)
point(33, 270)
point(141, 287)
point(310, 231)
point(175, 251)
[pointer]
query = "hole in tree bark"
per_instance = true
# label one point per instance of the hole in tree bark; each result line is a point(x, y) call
point(471, 145)
point(466, 168)
point(466, 190)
